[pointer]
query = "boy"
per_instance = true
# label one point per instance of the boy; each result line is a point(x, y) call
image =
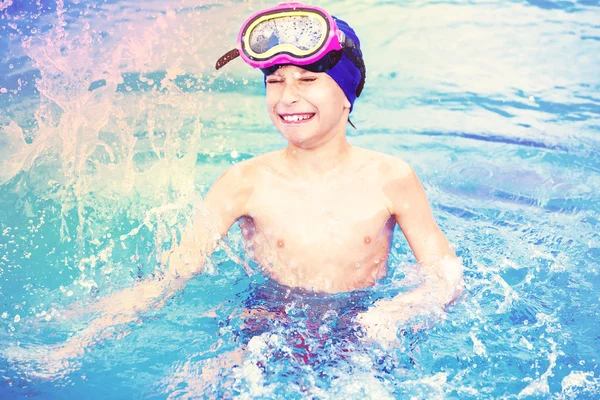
point(319, 214)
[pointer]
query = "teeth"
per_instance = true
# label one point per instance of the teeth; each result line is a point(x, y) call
point(296, 117)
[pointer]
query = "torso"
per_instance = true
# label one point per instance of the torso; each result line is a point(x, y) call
point(329, 236)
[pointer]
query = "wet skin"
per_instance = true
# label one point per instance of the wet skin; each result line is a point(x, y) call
point(324, 235)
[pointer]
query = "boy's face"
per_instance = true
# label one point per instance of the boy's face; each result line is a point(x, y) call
point(305, 106)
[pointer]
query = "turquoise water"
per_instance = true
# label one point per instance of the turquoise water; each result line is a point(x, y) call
point(114, 124)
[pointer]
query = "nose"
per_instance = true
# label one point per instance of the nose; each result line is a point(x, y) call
point(290, 94)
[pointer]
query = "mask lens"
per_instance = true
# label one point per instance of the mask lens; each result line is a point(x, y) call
point(302, 32)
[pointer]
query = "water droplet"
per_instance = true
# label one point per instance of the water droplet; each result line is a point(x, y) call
point(357, 265)
point(17, 318)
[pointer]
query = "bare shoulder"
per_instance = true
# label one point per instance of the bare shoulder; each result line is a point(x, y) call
point(244, 173)
point(239, 180)
point(384, 166)
point(263, 167)
point(264, 161)
point(398, 182)
point(235, 185)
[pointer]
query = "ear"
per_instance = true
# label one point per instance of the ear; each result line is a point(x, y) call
point(346, 103)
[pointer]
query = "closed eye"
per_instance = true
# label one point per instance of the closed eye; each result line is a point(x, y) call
point(308, 79)
point(274, 81)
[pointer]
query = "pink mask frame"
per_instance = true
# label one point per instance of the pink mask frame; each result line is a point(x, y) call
point(332, 42)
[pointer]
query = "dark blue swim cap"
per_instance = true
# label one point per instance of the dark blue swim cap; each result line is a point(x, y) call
point(346, 73)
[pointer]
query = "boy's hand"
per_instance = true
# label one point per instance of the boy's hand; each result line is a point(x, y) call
point(379, 324)
point(382, 321)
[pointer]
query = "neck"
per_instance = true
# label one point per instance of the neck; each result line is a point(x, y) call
point(321, 159)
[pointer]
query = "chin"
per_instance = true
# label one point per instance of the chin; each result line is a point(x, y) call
point(296, 137)
point(303, 143)
point(296, 140)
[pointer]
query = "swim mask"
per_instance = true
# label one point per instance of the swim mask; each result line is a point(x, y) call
point(305, 36)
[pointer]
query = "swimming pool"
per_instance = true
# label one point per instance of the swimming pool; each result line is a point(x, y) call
point(114, 125)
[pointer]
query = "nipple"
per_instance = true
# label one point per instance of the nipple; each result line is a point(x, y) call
point(367, 239)
point(280, 243)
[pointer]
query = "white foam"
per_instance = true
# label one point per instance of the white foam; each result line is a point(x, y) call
point(578, 383)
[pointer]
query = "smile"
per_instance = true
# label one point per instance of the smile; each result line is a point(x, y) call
point(296, 118)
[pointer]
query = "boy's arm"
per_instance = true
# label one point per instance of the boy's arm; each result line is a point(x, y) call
point(223, 205)
point(442, 269)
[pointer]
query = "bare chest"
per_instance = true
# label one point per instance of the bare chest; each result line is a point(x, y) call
point(320, 214)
